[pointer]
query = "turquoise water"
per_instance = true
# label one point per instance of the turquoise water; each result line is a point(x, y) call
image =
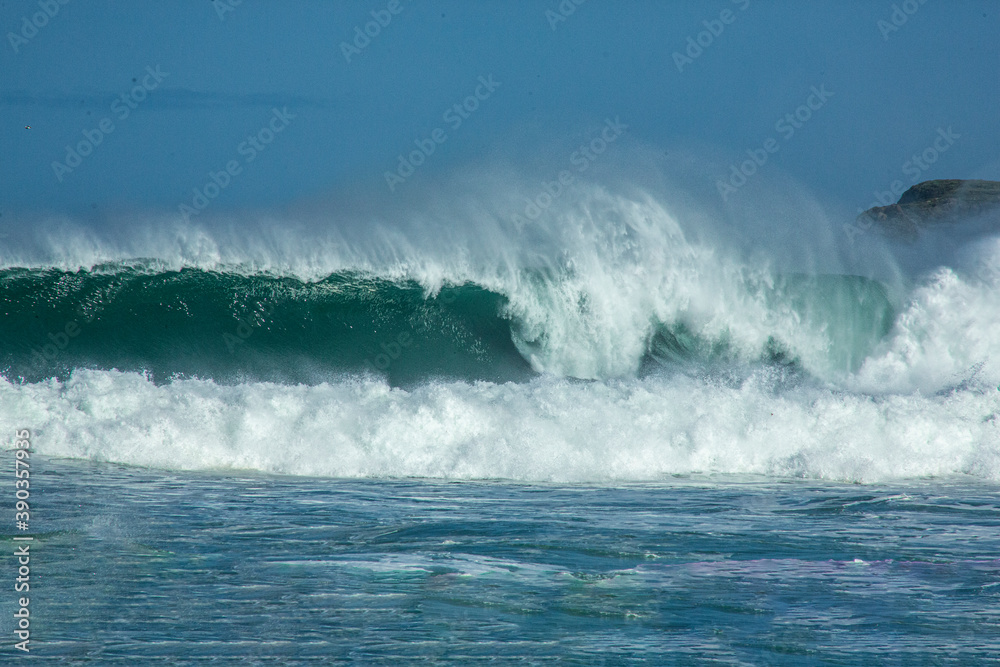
point(134, 566)
point(231, 327)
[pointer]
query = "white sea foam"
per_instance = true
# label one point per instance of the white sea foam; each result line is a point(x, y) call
point(948, 335)
point(548, 429)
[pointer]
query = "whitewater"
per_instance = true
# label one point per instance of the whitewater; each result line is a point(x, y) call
point(614, 339)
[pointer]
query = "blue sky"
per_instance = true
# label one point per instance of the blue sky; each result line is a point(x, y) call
point(345, 123)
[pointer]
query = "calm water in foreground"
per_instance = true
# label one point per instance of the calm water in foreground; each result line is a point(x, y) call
point(133, 567)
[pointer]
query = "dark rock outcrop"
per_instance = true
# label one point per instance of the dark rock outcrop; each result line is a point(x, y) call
point(935, 202)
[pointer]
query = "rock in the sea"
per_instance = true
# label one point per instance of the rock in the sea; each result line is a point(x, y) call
point(934, 202)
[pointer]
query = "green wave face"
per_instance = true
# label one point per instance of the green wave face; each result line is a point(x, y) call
point(855, 314)
point(851, 314)
point(234, 328)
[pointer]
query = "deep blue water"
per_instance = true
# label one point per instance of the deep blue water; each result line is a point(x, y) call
point(134, 566)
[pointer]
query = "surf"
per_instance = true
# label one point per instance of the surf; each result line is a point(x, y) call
point(232, 327)
point(614, 339)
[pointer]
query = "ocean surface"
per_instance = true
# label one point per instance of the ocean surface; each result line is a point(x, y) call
point(137, 566)
point(617, 434)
